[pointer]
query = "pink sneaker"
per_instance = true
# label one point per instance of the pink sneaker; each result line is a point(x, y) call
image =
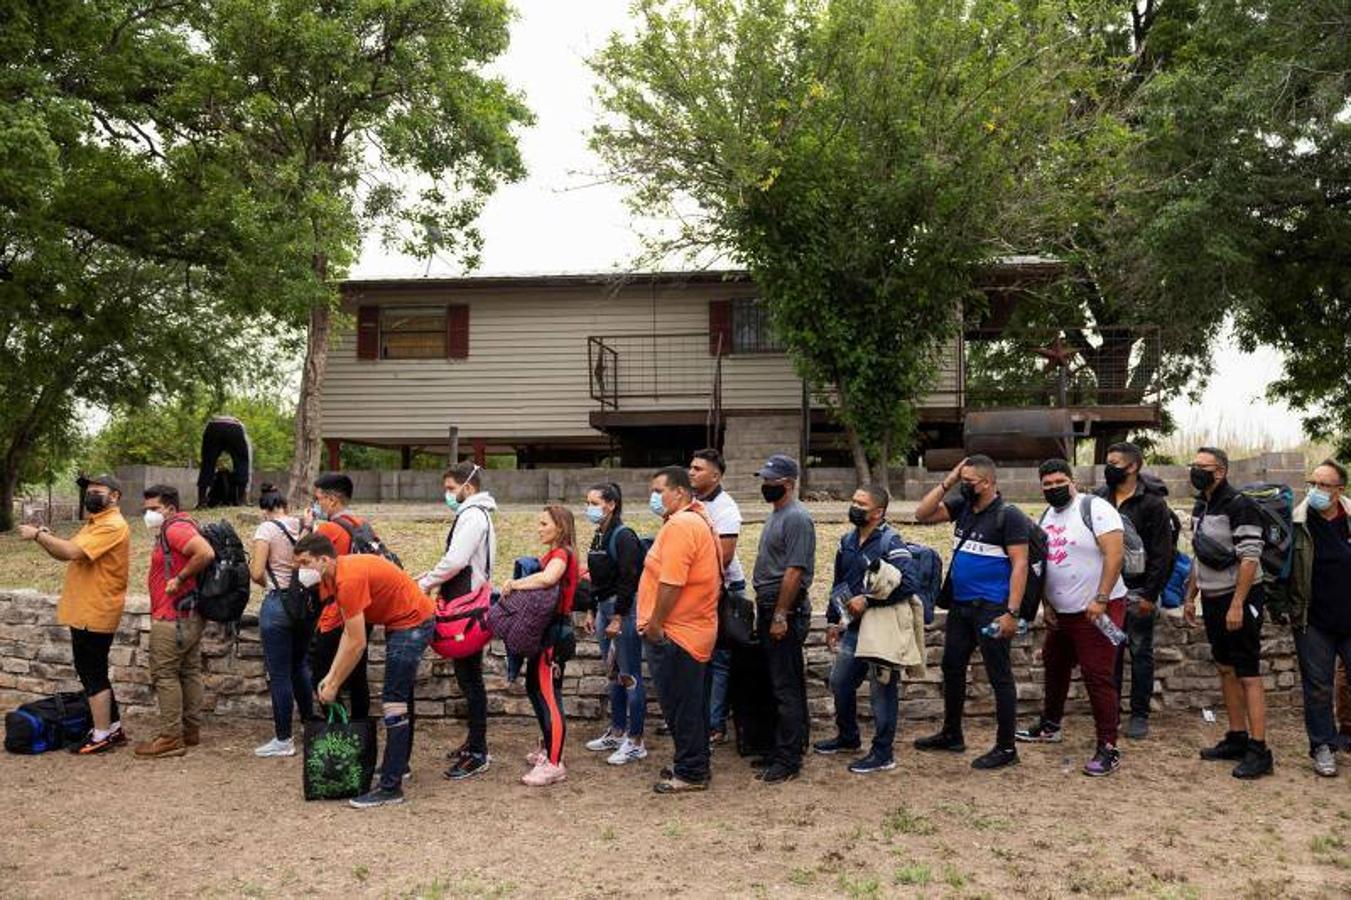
point(545, 773)
point(536, 756)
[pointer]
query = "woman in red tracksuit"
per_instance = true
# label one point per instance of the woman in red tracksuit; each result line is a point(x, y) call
point(544, 675)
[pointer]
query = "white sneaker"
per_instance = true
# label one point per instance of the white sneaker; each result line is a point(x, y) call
point(544, 774)
point(627, 752)
point(606, 741)
point(277, 747)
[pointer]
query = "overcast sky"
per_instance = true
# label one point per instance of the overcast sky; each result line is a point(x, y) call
point(559, 220)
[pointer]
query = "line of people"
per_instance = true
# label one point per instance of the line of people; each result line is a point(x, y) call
point(661, 601)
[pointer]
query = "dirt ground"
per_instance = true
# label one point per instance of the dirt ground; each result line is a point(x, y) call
point(219, 822)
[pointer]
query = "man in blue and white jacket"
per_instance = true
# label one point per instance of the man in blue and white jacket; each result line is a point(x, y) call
point(871, 539)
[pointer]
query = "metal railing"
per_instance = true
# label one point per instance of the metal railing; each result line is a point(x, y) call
point(650, 367)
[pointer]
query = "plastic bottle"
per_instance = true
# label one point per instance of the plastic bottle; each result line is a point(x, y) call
point(1108, 627)
point(992, 630)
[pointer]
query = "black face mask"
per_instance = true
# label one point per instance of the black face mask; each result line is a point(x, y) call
point(1058, 497)
point(1201, 479)
point(969, 493)
point(773, 493)
point(1115, 476)
point(95, 503)
point(858, 516)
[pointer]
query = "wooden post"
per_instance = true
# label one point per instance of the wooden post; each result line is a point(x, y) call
point(334, 448)
point(405, 457)
point(480, 452)
point(804, 439)
point(453, 437)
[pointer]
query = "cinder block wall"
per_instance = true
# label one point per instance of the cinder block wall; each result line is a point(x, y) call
point(35, 660)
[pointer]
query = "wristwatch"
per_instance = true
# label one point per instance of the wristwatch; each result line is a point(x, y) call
point(780, 618)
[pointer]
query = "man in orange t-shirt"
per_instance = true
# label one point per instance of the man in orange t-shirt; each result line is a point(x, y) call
point(678, 616)
point(368, 589)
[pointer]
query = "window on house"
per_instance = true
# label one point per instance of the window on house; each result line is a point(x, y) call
point(413, 332)
point(750, 328)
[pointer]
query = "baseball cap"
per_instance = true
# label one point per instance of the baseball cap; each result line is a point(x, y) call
point(107, 481)
point(779, 466)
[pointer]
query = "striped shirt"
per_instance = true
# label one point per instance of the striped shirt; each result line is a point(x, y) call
point(1233, 522)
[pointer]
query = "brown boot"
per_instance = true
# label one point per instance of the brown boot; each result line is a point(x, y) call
point(160, 747)
point(192, 736)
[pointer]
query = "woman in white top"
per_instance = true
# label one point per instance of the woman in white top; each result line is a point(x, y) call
point(285, 641)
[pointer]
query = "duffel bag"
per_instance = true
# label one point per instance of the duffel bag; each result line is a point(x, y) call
point(48, 724)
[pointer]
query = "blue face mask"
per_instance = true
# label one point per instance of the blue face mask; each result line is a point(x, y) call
point(654, 503)
point(1319, 499)
point(452, 501)
point(594, 514)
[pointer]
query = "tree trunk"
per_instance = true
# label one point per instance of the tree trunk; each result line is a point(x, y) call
point(9, 486)
point(308, 436)
point(882, 467)
point(860, 456)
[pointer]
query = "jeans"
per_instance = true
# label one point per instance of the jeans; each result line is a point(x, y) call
point(965, 620)
point(1140, 638)
point(628, 695)
point(846, 676)
point(788, 680)
point(1318, 652)
point(176, 670)
point(287, 663)
point(403, 655)
point(469, 676)
point(322, 651)
point(680, 688)
point(1075, 639)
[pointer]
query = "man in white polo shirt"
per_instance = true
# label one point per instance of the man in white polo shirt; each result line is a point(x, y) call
point(1085, 550)
point(706, 471)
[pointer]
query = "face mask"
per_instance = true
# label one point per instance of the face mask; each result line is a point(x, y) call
point(858, 516)
point(1319, 499)
point(452, 501)
point(308, 577)
point(1115, 476)
point(594, 514)
point(969, 493)
point(153, 519)
point(654, 503)
point(316, 512)
point(1058, 497)
point(1201, 479)
point(773, 493)
point(95, 503)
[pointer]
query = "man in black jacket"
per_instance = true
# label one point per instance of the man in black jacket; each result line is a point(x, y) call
point(1142, 501)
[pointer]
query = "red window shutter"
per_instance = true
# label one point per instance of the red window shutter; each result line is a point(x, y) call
point(457, 331)
point(368, 332)
point(719, 327)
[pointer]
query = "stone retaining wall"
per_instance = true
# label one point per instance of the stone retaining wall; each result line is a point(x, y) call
point(35, 660)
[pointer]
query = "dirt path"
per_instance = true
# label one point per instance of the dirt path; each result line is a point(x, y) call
point(219, 822)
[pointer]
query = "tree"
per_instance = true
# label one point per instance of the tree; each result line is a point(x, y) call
point(361, 115)
point(858, 157)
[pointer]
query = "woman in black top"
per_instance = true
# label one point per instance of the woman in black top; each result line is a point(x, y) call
point(616, 563)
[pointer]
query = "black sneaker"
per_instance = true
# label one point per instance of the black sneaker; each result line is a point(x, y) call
point(943, 740)
point(1043, 732)
point(1106, 761)
point(458, 752)
point(777, 775)
point(835, 745)
point(469, 765)
point(1233, 747)
point(997, 758)
point(1256, 762)
point(378, 797)
point(870, 764)
point(89, 746)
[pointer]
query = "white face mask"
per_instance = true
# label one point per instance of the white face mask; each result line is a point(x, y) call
point(153, 519)
point(308, 577)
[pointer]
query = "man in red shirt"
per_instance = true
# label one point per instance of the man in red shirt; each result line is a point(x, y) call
point(366, 589)
point(175, 634)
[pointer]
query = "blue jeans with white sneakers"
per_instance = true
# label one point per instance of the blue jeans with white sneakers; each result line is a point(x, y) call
point(628, 695)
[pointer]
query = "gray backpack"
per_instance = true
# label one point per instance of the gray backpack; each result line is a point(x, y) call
point(1134, 563)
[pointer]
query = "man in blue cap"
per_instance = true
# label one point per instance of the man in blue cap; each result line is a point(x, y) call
point(783, 572)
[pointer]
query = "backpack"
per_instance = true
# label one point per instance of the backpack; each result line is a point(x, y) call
point(222, 589)
point(461, 629)
point(301, 604)
point(364, 539)
point(1276, 503)
point(1134, 561)
point(1176, 588)
point(522, 619)
point(48, 724)
point(928, 576)
point(1035, 588)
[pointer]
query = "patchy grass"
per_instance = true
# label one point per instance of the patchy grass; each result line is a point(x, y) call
point(861, 887)
point(1328, 849)
point(903, 820)
point(953, 877)
point(915, 874)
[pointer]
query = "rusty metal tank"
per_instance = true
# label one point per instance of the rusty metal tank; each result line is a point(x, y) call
point(1026, 435)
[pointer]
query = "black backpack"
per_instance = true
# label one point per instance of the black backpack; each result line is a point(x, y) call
point(300, 603)
point(223, 586)
point(1035, 588)
point(51, 723)
point(365, 540)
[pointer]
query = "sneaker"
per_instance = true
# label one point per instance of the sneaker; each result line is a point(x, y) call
point(761, 763)
point(1255, 763)
point(536, 756)
point(546, 773)
point(378, 797)
point(997, 758)
point(1324, 763)
point(118, 735)
point(717, 736)
point(627, 752)
point(89, 746)
point(277, 747)
point(870, 764)
point(943, 740)
point(160, 747)
point(1138, 728)
point(1106, 761)
point(1232, 747)
point(469, 765)
point(607, 741)
point(1043, 732)
point(777, 774)
point(454, 755)
point(835, 745)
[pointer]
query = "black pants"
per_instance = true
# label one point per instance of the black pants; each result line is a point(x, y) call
point(219, 438)
point(679, 678)
point(788, 680)
point(544, 687)
point(965, 620)
point(89, 653)
point(357, 686)
point(469, 676)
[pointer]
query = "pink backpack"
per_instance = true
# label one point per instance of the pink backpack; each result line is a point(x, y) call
point(462, 624)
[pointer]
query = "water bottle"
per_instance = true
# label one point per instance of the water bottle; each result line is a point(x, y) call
point(1108, 627)
point(992, 630)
